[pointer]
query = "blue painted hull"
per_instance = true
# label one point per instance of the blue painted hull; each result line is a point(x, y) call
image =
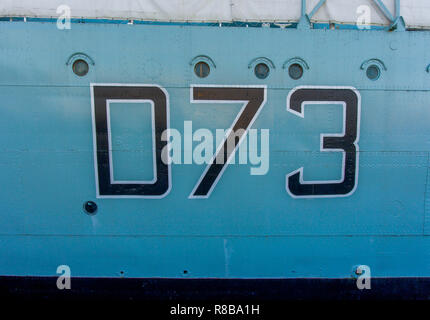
point(249, 227)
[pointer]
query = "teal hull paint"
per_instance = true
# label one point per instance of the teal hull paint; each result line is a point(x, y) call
point(249, 227)
point(215, 257)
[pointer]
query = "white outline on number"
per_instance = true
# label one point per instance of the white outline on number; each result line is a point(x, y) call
point(169, 174)
point(323, 135)
point(245, 103)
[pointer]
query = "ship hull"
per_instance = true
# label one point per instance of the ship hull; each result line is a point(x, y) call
point(250, 226)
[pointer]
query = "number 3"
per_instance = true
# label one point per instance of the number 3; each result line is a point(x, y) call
point(346, 142)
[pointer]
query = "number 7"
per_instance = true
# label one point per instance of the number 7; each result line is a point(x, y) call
point(253, 99)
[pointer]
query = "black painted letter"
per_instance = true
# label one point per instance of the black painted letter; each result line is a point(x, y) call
point(101, 93)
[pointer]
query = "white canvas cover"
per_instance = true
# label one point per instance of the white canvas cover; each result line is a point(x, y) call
point(416, 13)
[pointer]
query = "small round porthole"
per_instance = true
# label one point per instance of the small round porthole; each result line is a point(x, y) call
point(202, 69)
point(373, 72)
point(261, 71)
point(80, 67)
point(90, 207)
point(295, 71)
